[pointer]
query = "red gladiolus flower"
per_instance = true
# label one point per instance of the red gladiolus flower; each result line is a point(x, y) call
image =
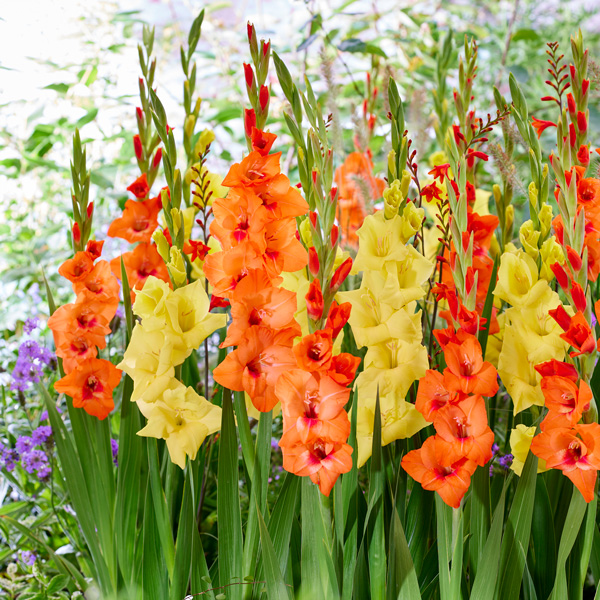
point(556, 367)
point(139, 188)
point(314, 301)
point(338, 317)
point(440, 172)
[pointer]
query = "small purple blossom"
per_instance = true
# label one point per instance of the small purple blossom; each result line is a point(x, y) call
point(29, 366)
point(34, 460)
point(41, 435)
point(44, 416)
point(495, 449)
point(30, 325)
point(114, 446)
point(24, 444)
point(120, 314)
point(9, 458)
point(274, 444)
point(491, 470)
point(28, 558)
point(506, 461)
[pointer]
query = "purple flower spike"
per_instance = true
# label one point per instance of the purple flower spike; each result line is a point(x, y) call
point(30, 325)
point(28, 558)
point(114, 446)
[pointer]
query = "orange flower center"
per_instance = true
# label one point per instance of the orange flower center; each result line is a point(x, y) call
point(92, 387)
point(314, 352)
point(140, 224)
point(462, 428)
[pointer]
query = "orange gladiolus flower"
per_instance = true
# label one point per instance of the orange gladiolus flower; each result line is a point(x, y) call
point(313, 407)
point(564, 397)
point(100, 284)
point(323, 461)
point(138, 222)
point(253, 171)
point(467, 372)
point(432, 395)
point(577, 331)
point(139, 188)
point(280, 198)
point(77, 268)
point(139, 265)
point(575, 451)
point(262, 141)
point(338, 317)
point(255, 366)
point(85, 318)
point(73, 350)
point(464, 429)
point(284, 252)
point(94, 248)
point(91, 385)
point(430, 466)
point(255, 302)
point(556, 367)
point(343, 368)
point(314, 352)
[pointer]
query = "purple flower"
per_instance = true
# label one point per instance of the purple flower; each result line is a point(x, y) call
point(491, 470)
point(28, 558)
point(41, 435)
point(34, 460)
point(24, 444)
point(29, 366)
point(114, 446)
point(9, 458)
point(30, 325)
point(44, 416)
point(495, 449)
point(506, 461)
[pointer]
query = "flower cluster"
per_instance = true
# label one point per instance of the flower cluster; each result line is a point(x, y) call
point(386, 320)
point(31, 360)
point(30, 451)
point(173, 324)
point(79, 332)
point(256, 228)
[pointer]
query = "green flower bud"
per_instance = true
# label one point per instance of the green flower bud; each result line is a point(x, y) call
point(161, 244)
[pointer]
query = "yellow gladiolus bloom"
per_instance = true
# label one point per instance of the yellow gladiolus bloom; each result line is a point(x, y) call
point(520, 442)
point(380, 241)
point(183, 419)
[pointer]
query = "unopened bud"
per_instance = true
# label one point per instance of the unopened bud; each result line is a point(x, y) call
point(76, 233)
point(137, 147)
point(162, 245)
point(90, 210)
point(313, 261)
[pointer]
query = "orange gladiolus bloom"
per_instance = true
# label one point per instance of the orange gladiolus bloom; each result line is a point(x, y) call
point(343, 368)
point(284, 252)
point(139, 188)
point(314, 352)
point(432, 395)
point(77, 268)
point(139, 265)
point(429, 465)
point(338, 317)
point(73, 350)
point(575, 451)
point(91, 385)
point(255, 366)
point(463, 430)
point(253, 171)
point(312, 408)
point(323, 461)
point(100, 284)
point(556, 367)
point(138, 222)
point(577, 331)
point(467, 372)
point(564, 397)
point(88, 319)
point(281, 199)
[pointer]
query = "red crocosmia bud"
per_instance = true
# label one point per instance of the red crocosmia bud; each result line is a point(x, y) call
point(94, 249)
point(314, 301)
point(581, 122)
point(555, 367)
point(571, 104)
point(265, 48)
point(340, 275)
point(572, 135)
point(313, 261)
point(299, 185)
point(157, 158)
point(561, 275)
point(90, 210)
point(141, 84)
point(137, 147)
point(217, 302)
point(313, 218)
point(139, 114)
point(375, 92)
point(334, 235)
point(249, 120)
point(560, 315)
point(76, 233)
point(585, 86)
point(338, 317)
point(263, 97)
point(249, 74)
point(574, 259)
point(583, 155)
point(578, 296)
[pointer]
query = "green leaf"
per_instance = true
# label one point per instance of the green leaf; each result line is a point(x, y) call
point(276, 587)
point(517, 533)
point(401, 563)
point(228, 504)
point(57, 583)
point(525, 34)
point(87, 118)
point(356, 45)
point(61, 88)
point(154, 579)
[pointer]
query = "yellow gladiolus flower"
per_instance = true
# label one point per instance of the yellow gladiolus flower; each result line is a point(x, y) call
point(392, 199)
point(520, 442)
point(149, 303)
point(380, 241)
point(176, 266)
point(529, 238)
point(183, 419)
point(551, 252)
point(399, 420)
point(410, 221)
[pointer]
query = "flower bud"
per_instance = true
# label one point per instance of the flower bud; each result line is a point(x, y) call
point(139, 114)
point(340, 275)
point(574, 259)
point(545, 217)
point(551, 254)
point(335, 232)
point(177, 266)
point(314, 301)
point(249, 121)
point(263, 97)
point(391, 163)
point(529, 238)
point(162, 245)
point(411, 221)
point(510, 216)
point(583, 155)
point(392, 198)
point(249, 74)
point(90, 210)
point(188, 127)
point(313, 261)
point(137, 147)
point(76, 233)
point(578, 297)
point(157, 158)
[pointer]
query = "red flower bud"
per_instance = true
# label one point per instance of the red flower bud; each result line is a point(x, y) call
point(578, 297)
point(313, 261)
point(137, 147)
point(265, 47)
point(571, 103)
point(338, 317)
point(250, 29)
point(340, 275)
point(90, 210)
point(585, 86)
point(76, 233)
point(263, 97)
point(365, 109)
point(581, 122)
point(314, 301)
point(333, 193)
point(249, 121)
point(314, 177)
point(249, 74)
point(573, 72)
point(561, 275)
point(157, 158)
point(554, 367)
point(574, 259)
point(583, 155)
point(313, 218)
point(560, 315)
point(334, 235)
point(139, 114)
point(572, 135)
